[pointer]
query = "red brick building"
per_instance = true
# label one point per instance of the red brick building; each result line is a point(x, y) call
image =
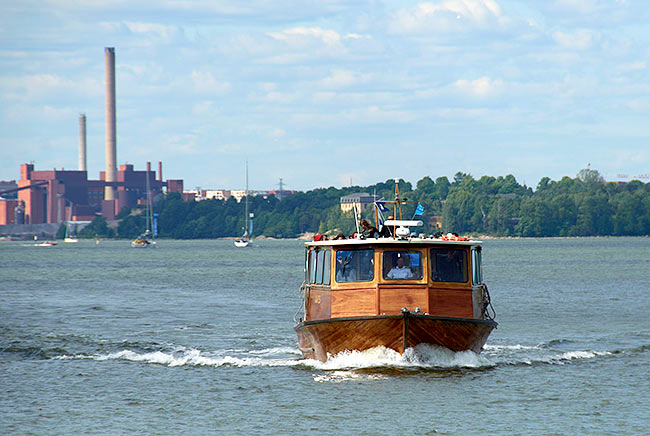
point(53, 196)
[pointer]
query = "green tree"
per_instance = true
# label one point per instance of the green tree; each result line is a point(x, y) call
point(98, 228)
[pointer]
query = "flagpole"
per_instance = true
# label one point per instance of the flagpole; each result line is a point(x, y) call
point(374, 200)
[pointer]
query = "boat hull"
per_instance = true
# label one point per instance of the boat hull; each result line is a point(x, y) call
point(143, 244)
point(317, 339)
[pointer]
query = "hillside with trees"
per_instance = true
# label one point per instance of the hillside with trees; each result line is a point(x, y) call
point(498, 206)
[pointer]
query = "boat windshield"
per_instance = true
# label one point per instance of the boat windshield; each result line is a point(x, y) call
point(402, 265)
point(355, 265)
point(449, 265)
point(319, 267)
point(477, 273)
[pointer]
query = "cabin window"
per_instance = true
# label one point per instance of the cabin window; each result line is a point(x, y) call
point(355, 265)
point(319, 267)
point(312, 266)
point(326, 267)
point(449, 265)
point(477, 270)
point(402, 265)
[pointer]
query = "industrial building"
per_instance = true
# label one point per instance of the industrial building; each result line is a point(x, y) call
point(54, 196)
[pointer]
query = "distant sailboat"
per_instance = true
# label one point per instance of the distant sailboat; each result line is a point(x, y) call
point(68, 234)
point(244, 240)
point(146, 240)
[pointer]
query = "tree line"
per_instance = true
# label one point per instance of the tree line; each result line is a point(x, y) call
point(582, 206)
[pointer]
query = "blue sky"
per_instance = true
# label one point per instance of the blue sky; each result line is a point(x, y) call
point(328, 92)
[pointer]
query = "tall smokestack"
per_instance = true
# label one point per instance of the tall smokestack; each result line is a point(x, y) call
point(160, 171)
point(111, 147)
point(82, 142)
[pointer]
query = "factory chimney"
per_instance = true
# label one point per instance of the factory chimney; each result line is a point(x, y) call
point(111, 146)
point(160, 171)
point(82, 142)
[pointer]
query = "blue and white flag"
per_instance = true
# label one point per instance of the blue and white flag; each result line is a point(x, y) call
point(419, 210)
point(381, 206)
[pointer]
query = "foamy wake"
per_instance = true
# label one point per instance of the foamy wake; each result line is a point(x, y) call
point(194, 357)
point(339, 366)
point(529, 355)
point(422, 356)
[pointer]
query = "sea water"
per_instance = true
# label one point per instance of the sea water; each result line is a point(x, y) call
point(196, 337)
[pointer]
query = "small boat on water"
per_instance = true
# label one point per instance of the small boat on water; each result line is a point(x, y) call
point(143, 241)
point(69, 238)
point(45, 244)
point(398, 292)
point(146, 239)
point(245, 239)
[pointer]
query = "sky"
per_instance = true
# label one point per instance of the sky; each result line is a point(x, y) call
point(324, 93)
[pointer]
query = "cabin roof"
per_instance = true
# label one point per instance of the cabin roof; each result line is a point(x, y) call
point(388, 241)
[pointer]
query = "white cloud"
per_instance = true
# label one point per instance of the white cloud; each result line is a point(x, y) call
point(39, 86)
point(159, 29)
point(638, 105)
point(363, 115)
point(55, 113)
point(582, 6)
point(205, 83)
point(632, 66)
point(277, 133)
point(204, 108)
point(340, 78)
point(281, 97)
point(448, 15)
point(481, 87)
point(302, 37)
point(582, 39)
point(267, 86)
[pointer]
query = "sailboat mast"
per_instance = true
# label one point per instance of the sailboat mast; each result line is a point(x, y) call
point(246, 216)
point(149, 218)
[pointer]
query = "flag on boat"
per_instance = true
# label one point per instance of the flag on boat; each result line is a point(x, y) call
point(381, 206)
point(419, 210)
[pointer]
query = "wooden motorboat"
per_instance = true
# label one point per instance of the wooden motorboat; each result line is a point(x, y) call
point(397, 292)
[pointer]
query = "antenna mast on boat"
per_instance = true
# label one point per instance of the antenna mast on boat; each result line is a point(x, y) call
point(398, 203)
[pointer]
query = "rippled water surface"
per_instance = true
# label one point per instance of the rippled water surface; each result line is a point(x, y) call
point(196, 337)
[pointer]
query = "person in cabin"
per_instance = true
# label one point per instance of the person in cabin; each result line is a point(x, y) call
point(368, 230)
point(339, 236)
point(344, 270)
point(387, 231)
point(400, 271)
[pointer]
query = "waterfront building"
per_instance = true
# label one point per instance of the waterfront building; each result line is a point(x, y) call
point(53, 196)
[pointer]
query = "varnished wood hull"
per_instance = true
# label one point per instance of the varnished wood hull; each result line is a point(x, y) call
point(317, 339)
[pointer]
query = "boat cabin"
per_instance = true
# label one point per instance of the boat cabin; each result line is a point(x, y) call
point(385, 276)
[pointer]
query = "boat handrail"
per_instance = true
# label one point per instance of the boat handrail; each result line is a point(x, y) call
point(303, 287)
point(487, 303)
